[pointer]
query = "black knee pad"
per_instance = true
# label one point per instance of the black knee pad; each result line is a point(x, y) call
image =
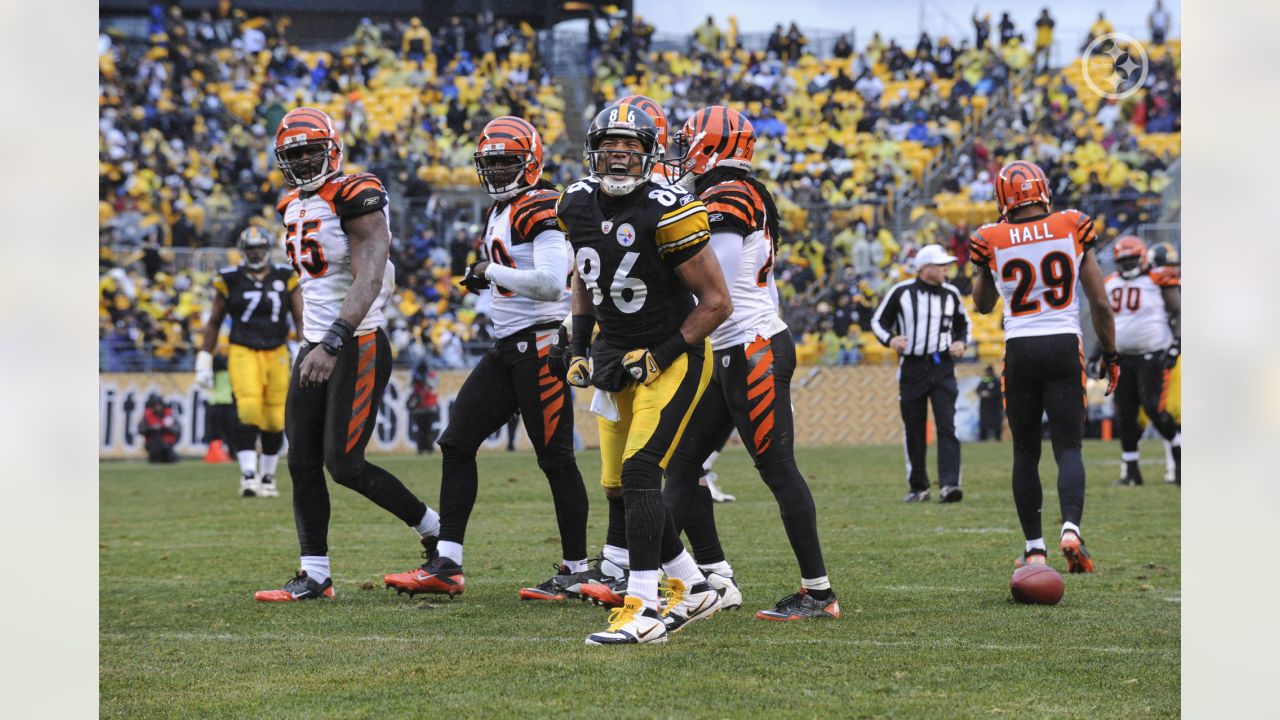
point(245, 437)
point(272, 442)
point(639, 474)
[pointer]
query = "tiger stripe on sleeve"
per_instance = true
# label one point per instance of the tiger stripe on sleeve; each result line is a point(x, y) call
point(682, 229)
point(733, 207)
point(979, 251)
point(1084, 232)
point(359, 195)
point(283, 204)
point(532, 213)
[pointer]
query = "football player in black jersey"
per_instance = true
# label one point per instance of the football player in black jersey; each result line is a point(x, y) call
point(639, 262)
point(259, 297)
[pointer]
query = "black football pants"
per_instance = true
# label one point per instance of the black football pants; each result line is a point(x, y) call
point(1144, 383)
point(329, 426)
point(751, 389)
point(518, 373)
point(1042, 375)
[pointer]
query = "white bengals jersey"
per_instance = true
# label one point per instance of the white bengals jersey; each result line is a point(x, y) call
point(1142, 321)
point(509, 239)
point(735, 207)
point(320, 254)
point(1036, 265)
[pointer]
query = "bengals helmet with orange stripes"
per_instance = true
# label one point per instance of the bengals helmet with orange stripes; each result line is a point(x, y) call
point(712, 137)
point(1021, 183)
point(508, 157)
point(621, 171)
point(655, 113)
point(308, 148)
point(1130, 254)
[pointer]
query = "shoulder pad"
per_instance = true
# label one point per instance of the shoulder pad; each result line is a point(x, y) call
point(533, 212)
point(355, 195)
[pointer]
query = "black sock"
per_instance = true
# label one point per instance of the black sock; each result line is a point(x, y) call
point(616, 534)
point(458, 485)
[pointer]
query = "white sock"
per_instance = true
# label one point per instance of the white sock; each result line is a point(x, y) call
point(683, 567)
point(316, 566)
point(269, 463)
point(644, 585)
point(1130, 456)
point(429, 526)
point(612, 569)
point(575, 566)
point(821, 583)
point(1037, 544)
point(721, 568)
point(618, 556)
point(248, 462)
point(1177, 440)
point(1069, 526)
point(451, 550)
point(711, 461)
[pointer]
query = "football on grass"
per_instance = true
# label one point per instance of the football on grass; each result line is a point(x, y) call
point(1036, 584)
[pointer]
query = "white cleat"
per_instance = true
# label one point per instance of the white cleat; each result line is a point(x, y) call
point(717, 494)
point(631, 624)
point(268, 487)
point(685, 605)
point(249, 486)
point(730, 595)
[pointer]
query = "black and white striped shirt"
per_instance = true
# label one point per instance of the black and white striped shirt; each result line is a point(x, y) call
point(931, 317)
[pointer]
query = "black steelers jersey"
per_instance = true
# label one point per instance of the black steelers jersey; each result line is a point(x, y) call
point(258, 308)
point(628, 258)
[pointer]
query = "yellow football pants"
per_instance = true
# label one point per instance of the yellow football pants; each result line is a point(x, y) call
point(260, 381)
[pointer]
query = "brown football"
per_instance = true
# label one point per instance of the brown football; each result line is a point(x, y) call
point(1036, 584)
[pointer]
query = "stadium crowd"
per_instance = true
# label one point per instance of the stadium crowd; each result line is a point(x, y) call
point(845, 139)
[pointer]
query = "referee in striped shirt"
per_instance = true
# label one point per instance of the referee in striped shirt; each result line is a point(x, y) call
point(925, 321)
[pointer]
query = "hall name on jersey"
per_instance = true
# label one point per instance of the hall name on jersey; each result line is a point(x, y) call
point(1029, 233)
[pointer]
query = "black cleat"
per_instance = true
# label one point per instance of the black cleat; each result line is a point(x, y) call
point(561, 586)
point(299, 587)
point(951, 494)
point(917, 496)
point(802, 606)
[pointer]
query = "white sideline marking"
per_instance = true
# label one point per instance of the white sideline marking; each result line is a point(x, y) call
point(760, 640)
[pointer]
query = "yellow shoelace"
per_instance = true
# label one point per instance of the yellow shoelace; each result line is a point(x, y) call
point(619, 617)
point(674, 592)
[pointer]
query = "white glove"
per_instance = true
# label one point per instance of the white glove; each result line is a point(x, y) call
point(204, 370)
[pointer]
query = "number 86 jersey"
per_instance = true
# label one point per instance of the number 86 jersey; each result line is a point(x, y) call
point(1036, 264)
point(626, 251)
point(317, 246)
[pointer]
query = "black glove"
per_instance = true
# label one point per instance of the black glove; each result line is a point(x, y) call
point(1172, 353)
point(1110, 371)
point(473, 279)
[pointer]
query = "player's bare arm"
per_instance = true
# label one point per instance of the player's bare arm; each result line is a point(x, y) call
point(583, 312)
point(702, 275)
point(295, 307)
point(984, 291)
point(1095, 291)
point(370, 242)
point(209, 341)
point(1173, 308)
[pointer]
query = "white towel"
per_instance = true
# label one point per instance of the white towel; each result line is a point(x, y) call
point(604, 404)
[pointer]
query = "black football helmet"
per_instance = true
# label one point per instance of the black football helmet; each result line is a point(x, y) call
point(622, 171)
point(255, 246)
point(1163, 254)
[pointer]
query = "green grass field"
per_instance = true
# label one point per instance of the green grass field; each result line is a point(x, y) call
point(928, 629)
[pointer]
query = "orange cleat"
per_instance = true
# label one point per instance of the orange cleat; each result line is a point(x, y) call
point(1078, 560)
point(438, 576)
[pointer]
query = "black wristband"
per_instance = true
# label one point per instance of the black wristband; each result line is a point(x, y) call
point(668, 350)
point(1175, 349)
point(338, 334)
point(582, 327)
point(1111, 358)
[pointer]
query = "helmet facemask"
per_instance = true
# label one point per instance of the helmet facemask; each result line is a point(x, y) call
point(307, 165)
point(1129, 266)
point(503, 172)
point(255, 246)
point(622, 167)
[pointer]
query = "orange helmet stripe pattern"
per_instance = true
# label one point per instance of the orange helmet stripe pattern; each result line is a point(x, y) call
point(1129, 246)
point(510, 134)
point(649, 107)
point(716, 135)
point(1021, 183)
